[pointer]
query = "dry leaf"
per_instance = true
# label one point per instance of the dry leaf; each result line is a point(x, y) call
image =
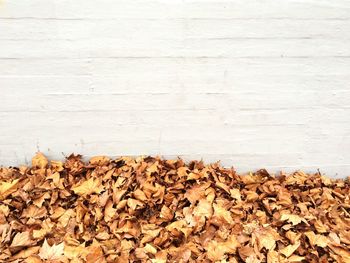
point(72, 252)
point(21, 239)
point(294, 219)
point(54, 252)
point(296, 258)
point(289, 250)
point(27, 252)
point(152, 210)
point(99, 160)
point(39, 161)
point(91, 186)
point(317, 240)
point(7, 188)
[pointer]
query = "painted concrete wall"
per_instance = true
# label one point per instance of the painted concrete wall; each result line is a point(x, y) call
point(253, 83)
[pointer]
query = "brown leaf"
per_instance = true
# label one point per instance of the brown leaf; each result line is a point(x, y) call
point(27, 252)
point(34, 212)
point(109, 212)
point(22, 239)
point(156, 210)
point(99, 160)
point(166, 213)
point(95, 254)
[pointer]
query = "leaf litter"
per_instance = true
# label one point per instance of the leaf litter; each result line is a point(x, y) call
point(148, 209)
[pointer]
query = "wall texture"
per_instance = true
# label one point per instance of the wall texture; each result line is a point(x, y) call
point(255, 84)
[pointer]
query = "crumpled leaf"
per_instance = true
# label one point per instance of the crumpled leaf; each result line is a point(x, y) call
point(26, 253)
point(296, 258)
point(343, 253)
point(216, 250)
point(39, 161)
point(266, 238)
point(90, 186)
point(294, 219)
point(317, 240)
point(7, 188)
point(22, 239)
point(273, 257)
point(99, 160)
point(95, 254)
point(72, 252)
point(252, 259)
point(290, 249)
point(222, 214)
point(34, 212)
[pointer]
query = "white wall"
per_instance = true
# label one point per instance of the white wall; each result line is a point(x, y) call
point(256, 84)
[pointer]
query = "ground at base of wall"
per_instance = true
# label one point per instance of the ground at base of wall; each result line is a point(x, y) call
point(149, 209)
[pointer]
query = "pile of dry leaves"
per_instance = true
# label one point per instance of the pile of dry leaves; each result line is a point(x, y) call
point(155, 210)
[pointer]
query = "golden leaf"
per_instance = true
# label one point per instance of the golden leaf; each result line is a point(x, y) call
point(100, 160)
point(235, 194)
point(150, 249)
point(204, 208)
point(4, 210)
point(57, 166)
point(109, 212)
point(40, 200)
point(344, 253)
point(293, 237)
point(272, 257)
point(196, 192)
point(266, 238)
point(7, 188)
point(87, 187)
point(334, 238)
point(139, 195)
point(182, 171)
point(320, 227)
point(216, 250)
point(64, 218)
point(72, 252)
point(289, 250)
point(317, 240)
point(251, 196)
point(296, 258)
point(102, 236)
point(38, 234)
point(39, 161)
point(181, 226)
point(33, 259)
point(252, 259)
point(133, 204)
point(222, 214)
point(294, 219)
